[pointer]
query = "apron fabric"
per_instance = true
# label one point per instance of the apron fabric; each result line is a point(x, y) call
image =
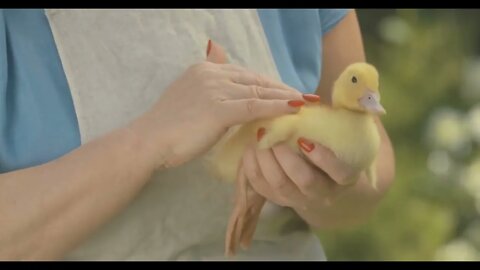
point(117, 63)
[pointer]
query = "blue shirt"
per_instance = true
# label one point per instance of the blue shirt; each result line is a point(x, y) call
point(37, 116)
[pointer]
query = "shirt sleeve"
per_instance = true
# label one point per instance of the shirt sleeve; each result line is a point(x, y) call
point(329, 18)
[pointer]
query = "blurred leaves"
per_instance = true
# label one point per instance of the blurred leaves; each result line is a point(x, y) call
point(430, 72)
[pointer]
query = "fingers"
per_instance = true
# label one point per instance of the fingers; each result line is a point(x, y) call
point(246, 110)
point(326, 160)
point(247, 77)
point(239, 75)
point(252, 172)
point(215, 53)
point(279, 182)
point(247, 87)
point(308, 179)
point(239, 91)
point(268, 179)
point(248, 103)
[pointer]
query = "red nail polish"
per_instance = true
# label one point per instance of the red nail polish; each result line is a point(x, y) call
point(305, 145)
point(296, 103)
point(260, 133)
point(311, 97)
point(209, 46)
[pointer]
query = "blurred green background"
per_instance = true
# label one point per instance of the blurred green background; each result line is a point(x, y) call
point(429, 63)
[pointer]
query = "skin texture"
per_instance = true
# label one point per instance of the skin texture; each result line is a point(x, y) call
point(47, 210)
point(313, 185)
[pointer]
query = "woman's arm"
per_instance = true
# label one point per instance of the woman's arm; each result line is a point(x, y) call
point(47, 210)
point(341, 47)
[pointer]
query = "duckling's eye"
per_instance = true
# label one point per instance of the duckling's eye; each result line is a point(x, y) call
point(354, 79)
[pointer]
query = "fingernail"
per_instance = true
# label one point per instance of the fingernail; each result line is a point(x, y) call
point(311, 97)
point(209, 46)
point(260, 133)
point(305, 145)
point(296, 103)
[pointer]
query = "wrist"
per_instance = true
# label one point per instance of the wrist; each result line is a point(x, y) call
point(151, 142)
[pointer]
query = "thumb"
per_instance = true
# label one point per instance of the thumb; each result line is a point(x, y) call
point(215, 53)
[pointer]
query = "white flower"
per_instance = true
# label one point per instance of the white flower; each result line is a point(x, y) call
point(474, 122)
point(439, 162)
point(447, 130)
point(457, 250)
point(394, 29)
point(471, 178)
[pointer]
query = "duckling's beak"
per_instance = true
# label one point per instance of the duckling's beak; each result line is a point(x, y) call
point(370, 101)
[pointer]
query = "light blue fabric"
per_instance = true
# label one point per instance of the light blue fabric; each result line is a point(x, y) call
point(37, 117)
point(294, 36)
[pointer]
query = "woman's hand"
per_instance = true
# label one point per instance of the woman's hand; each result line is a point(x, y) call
point(316, 185)
point(308, 184)
point(208, 98)
point(282, 176)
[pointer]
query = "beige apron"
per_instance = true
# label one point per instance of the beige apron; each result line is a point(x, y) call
point(110, 58)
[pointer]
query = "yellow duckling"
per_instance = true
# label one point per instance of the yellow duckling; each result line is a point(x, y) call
point(347, 127)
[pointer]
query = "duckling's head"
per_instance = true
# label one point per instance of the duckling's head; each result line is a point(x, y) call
point(357, 89)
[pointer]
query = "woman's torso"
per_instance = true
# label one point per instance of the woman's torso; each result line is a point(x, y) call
point(178, 215)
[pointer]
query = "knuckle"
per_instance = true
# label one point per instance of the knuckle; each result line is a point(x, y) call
point(256, 91)
point(259, 80)
point(251, 106)
point(207, 83)
point(203, 69)
point(207, 73)
point(253, 172)
point(236, 77)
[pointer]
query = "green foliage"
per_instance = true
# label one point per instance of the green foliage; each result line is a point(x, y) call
point(421, 57)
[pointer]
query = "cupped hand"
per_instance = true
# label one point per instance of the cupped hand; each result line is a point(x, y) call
point(208, 98)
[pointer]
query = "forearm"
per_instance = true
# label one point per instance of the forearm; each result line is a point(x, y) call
point(46, 210)
point(343, 46)
point(356, 203)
